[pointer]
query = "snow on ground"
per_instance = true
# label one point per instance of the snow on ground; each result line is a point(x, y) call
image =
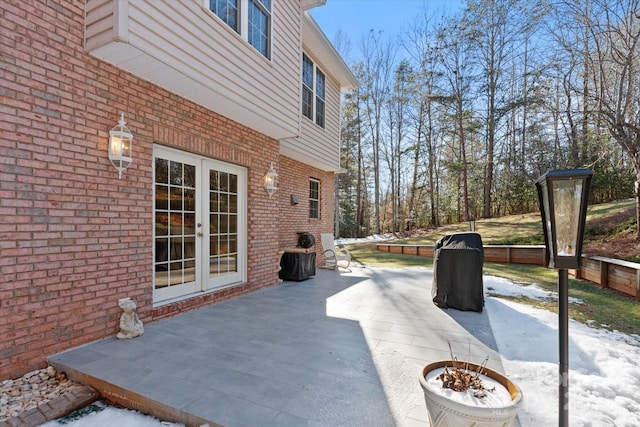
point(372, 238)
point(505, 287)
point(604, 367)
point(108, 416)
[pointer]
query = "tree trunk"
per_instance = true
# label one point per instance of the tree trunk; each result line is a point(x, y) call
point(637, 188)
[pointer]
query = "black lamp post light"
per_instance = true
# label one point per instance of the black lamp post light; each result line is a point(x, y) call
point(563, 197)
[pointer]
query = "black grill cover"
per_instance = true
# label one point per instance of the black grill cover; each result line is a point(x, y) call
point(306, 240)
point(457, 272)
point(297, 266)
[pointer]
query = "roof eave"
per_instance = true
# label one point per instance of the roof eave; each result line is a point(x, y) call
point(315, 39)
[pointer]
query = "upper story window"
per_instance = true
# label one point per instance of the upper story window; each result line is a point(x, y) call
point(249, 18)
point(319, 98)
point(313, 91)
point(227, 10)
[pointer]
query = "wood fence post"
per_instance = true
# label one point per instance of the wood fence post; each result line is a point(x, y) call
point(604, 273)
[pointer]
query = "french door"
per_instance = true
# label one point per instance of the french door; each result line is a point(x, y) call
point(200, 224)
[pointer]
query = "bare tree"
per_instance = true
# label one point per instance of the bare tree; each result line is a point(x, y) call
point(499, 31)
point(420, 43)
point(455, 59)
point(613, 31)
point(375, 80)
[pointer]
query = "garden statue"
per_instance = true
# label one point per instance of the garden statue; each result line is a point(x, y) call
point(130, 323)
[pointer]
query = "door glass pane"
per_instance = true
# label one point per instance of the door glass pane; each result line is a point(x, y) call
point(175, 228)
point(223, 231)
point(224, 202)
point(189, 176)
point(162, 171)
point(162, 197)
point(175, 173)
point(233, 203)
point(189, 200)
point(162, 224)
point(224, 182)
point(233, 184)
point(213, 224)
point(214, 203)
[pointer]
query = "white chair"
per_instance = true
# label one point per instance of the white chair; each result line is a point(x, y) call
point(336, 257)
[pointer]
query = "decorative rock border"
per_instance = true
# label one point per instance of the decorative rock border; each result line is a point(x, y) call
point(41, 396)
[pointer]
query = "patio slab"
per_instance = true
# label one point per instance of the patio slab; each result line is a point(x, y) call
point(341, 348)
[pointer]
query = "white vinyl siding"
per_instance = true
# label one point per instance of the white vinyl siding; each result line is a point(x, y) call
point(318, 146)
point(182, 46)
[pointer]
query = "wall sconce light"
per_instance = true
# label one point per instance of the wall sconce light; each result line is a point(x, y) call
point(120, 146)
point(271, 181)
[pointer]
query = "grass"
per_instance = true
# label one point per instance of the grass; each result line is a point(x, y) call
point(602, 308)
point(366, 253)
point(608, 209)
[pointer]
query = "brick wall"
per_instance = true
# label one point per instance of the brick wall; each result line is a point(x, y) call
point(74, 238)
point(294, 218)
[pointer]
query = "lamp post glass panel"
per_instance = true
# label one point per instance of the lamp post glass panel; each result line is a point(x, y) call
point(563, 197)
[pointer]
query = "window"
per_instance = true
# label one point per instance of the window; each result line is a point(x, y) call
point(313, 91)
point(227, 10)
point(249, 18)
point(259, 25)
point(307, 87)
point(319, 98)
point(314, 199)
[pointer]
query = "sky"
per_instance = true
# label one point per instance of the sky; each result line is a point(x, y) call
point(604, 367)
point(357, 17)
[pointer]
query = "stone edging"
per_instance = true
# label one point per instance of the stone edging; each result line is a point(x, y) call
point(74, 398)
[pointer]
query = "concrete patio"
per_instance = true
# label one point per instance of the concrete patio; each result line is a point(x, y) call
point(339, 349)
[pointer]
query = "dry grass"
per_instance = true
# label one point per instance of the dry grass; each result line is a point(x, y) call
point(601, 308)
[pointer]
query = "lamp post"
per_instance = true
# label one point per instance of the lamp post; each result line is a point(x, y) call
point(563, 197)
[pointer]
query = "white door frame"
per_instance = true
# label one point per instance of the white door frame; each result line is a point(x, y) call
point(203, 282)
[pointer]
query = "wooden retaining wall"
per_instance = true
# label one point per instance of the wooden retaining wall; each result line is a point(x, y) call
point(623, 276)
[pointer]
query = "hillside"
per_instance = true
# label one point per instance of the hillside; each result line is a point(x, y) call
point(613, 236)
point(610, 231)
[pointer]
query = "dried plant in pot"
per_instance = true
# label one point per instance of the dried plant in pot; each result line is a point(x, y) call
point(461, 393)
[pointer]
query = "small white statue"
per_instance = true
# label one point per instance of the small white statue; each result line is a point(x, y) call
point(130, 323)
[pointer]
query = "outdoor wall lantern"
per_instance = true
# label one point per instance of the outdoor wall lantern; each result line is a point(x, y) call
point(563, 197)
point(271, 181)
point(120, 146)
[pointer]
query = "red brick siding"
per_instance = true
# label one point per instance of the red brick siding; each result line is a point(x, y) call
point(74, 238)
point(294, 181)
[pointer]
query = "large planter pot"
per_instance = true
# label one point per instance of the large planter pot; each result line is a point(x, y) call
point(448, 410)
